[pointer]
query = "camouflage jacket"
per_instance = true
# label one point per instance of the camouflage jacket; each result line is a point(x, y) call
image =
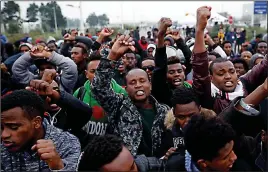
point(124, 118)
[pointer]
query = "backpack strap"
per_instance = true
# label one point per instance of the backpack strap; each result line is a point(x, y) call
point(81, 93)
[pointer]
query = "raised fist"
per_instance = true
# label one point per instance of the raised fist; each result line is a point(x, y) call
point(203, 14)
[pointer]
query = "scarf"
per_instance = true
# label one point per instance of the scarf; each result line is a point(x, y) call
point(189, 164)
point(229, 96)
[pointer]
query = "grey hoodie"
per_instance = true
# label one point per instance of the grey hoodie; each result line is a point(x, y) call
point(67, 146)
point(68, 77)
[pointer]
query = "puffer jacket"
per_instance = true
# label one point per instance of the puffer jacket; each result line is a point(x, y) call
point(124, 117)
point(202, 82)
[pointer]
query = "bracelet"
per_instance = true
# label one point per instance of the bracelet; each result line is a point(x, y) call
point(248, 108)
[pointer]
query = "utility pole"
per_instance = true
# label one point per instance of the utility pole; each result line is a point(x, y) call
point(55, 18)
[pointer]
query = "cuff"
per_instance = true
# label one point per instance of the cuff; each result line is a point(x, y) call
point(65, 163)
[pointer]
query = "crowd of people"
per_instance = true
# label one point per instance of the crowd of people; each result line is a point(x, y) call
point(155, 103)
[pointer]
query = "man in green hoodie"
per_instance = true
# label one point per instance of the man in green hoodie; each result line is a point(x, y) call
point(97, 125)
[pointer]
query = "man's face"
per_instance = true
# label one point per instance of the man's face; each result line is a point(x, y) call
point(43, 67)
point(91, 69)
point(175, 75)
point(225, 159)
point(224, 76)
point(52, 46)
point(123, 162)
point(24, 49)
point(227, 48)
point(183, 113)
point(121, 66)
point(216, 40)
point(138, 85)
point(240, 70)
point(150, 52)
point(143, 40)
point(129, 60)
point(167, 43)
point(148, 67)
point(246, 55)
point(149, 34)
point(74, 33)
point(262, 48)
point(18, 131)
point(77, 55)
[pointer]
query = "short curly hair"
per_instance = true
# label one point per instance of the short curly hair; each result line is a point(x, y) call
point(183, 95)
point(100, 151)
point(204, 137)
point(29, 101)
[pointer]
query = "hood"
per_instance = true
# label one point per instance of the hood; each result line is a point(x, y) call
point(254, 58)
point(170, 119)
point(171, 40)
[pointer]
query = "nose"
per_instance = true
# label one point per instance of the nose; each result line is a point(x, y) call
point(227, 76)
point(233, 157)
point(138, 84)
point(5, 134)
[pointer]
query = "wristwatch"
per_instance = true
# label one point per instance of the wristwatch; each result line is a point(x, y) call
point(248, 108)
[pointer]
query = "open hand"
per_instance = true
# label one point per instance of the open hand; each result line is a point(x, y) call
point(203, 14)
point(48, 153)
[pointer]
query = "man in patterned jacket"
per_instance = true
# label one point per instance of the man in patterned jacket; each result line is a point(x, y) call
point(138, 119)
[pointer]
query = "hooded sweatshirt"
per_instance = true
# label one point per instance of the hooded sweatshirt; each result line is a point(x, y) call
point(97, 125)
point(67, 146)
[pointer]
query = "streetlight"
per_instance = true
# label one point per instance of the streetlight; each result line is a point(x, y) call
point(81, 17)
point(55, 19)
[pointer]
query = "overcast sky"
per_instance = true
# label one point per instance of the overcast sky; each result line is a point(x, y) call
point(138, 11)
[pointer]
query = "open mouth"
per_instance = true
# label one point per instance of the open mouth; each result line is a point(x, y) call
point(7, 143)
point(228, 84)
point(177, 82)
point(140, 93)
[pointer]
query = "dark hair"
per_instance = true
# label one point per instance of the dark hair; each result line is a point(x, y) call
point(226, 42)
point(100, 151)
point(213, 53)
point(259, 36)
point(183, 95)
point(217, 60)
point(27, 100)
point(173, 60)
point(52, 41)
point(84, 49)
point(204, 137)
point(215, 37)
point(147, 58)
point(94, 56)
point(245, 64)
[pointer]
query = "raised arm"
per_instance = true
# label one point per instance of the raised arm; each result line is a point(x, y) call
point(160, 89)
point(256, 76)
point(20, 69)
point(101, 85)
point(201, 79)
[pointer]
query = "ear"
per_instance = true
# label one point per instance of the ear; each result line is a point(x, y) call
point(202, 164)
point(263, 134)
point(37, 122)
point(200, 108)
point(86, 74)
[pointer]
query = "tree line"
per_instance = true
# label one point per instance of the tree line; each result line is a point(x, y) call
point(45, 12)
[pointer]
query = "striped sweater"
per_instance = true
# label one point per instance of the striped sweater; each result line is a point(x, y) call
point(67, 146)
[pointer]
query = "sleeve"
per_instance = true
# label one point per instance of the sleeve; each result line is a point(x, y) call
point(102, 89)
point(76, 110)
point(65, 50)
point(256, 76)
point(69, 152)
point(20, 69)
point(201, 79)
point(160, 88)
point(11, 60)
point(69, 74)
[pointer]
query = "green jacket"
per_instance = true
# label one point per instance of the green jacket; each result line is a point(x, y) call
point(99, 121)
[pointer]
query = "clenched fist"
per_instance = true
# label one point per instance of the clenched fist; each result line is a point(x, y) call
point(164, 24)
point(47, 152)
point(203, 14)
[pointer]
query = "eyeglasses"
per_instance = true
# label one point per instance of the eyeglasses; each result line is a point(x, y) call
point(150, 68)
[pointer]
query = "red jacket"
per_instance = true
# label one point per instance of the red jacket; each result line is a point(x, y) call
point(143, 46)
